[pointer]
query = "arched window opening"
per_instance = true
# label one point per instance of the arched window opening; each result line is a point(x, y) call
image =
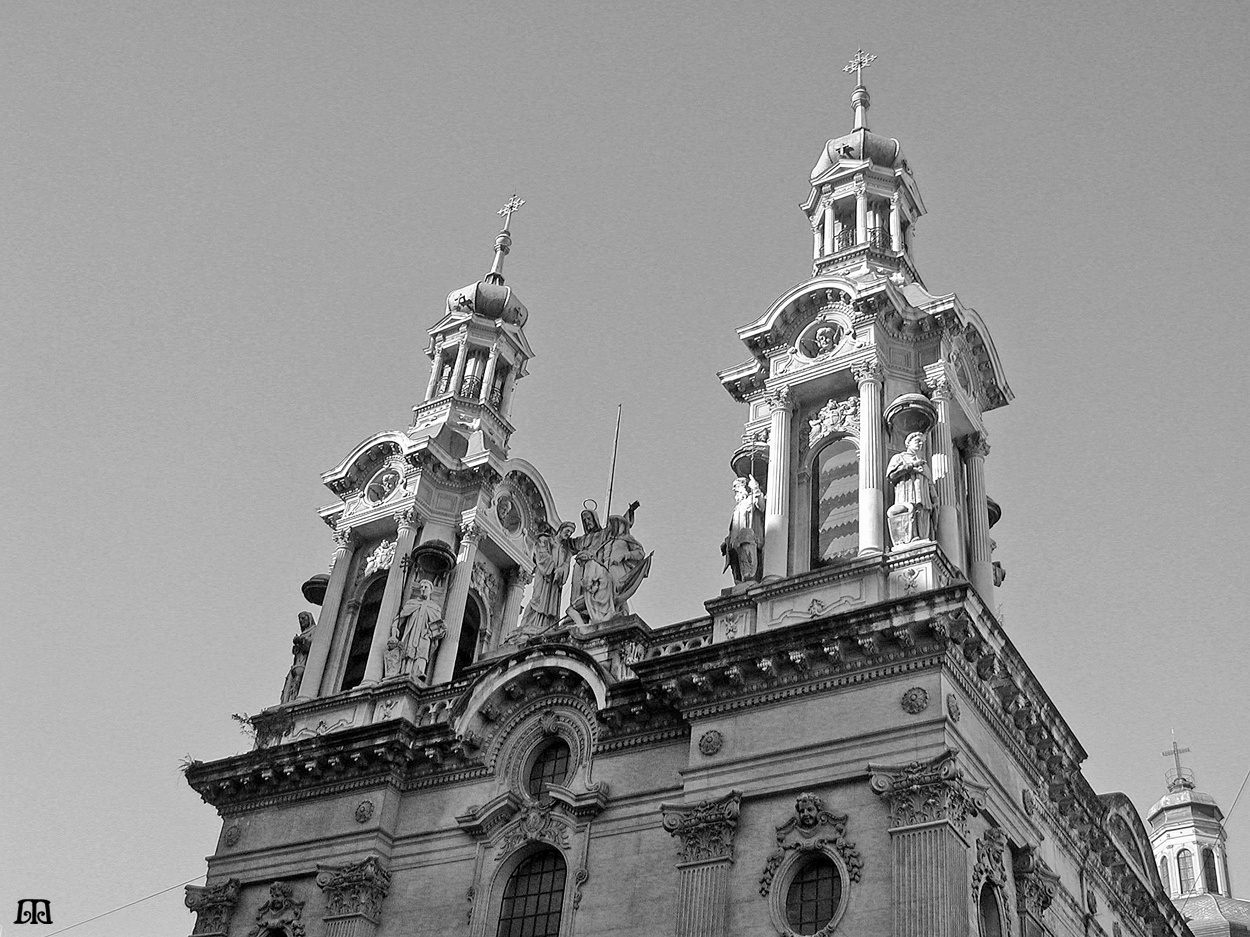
point(534, 897)
point(990, 913)
point(1185, 871)
point(814, 895)
point(470, 629)
point(835, 503)
point(551, 766)
point(1209, 881)
point(362, 637)
point(1163, 875)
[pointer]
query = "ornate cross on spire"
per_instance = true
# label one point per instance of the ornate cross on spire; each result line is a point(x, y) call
point(503, 241)
point(512, 205)
point(1176, 753)
point(857, 65)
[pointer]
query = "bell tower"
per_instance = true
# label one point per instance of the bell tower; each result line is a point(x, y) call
point(1187, 836)
point(866, 399)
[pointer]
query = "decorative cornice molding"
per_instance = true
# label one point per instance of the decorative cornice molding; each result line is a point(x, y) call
point(356, 890)
point(706, 829)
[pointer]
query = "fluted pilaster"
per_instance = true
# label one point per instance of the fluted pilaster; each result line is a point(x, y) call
point(706, 832)
point(980, 566)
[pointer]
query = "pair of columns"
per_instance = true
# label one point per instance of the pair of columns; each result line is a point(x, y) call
point(458, 366)
point(870, 378)
point(825, 229)
point(407, 528)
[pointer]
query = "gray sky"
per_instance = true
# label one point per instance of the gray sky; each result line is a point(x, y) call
point(227, 226)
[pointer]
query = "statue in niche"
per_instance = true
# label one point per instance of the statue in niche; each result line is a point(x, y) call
point(299, 650)
point(552, 554)
point(611, 565)
point(914, 494)
point(416, 634)
point(744, 545)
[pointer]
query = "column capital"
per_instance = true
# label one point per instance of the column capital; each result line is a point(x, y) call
point(939, 387)
point(354, 890)
point(408, 518)
point(925, 792)
point(816, 221)
point(975, 445)
point(860, 185)
point(213, 906)
point(1036, 884)
point(781, 400)
point(470, 532)
point(868, 371)
point(344, 537)
point(522, 577)
point(895, 198)
point(706, 829)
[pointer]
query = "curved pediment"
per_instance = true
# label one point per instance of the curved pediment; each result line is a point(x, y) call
point(797, 308)
point(365, 460)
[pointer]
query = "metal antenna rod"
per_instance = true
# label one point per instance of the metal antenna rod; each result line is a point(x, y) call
point(612, 475)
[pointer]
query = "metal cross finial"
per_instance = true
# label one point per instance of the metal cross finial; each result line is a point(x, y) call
point(857, 65)
point(1175, 753)
point(512, 205)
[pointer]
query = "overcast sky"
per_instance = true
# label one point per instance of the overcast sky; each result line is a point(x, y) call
point(226, 228)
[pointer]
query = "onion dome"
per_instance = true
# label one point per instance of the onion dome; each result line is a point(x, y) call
point(489, 297)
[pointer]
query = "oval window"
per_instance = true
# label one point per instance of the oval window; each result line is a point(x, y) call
point(813, 896)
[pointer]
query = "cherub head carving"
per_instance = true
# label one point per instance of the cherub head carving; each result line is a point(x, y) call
point(808, 807)
point(824, 340)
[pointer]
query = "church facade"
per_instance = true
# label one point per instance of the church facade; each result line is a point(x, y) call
point(478, 737)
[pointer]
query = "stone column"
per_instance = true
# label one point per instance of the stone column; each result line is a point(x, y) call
point(457, 598)
point(861, 211)
point(354, 896)
point(393, 595)
point(489, 377)
point(314, 668)
point(213, 906)
point(505, 395)
point(980, 566)
point(817, 237)
point(462, 357)
point(777, 503)
point(929, 809)
point(944, 468)
point(896, 223)
point(518, 579)
point(706, 831)
point(436, 369)
point(870, 378)
point(830, 246)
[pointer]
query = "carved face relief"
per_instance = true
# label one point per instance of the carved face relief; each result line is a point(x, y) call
point(509, 513)
point(808, 811)
point(382, 485)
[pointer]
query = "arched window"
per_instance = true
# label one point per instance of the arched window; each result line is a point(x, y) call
point(1209, 881)
point(835, 503)
point(814, 895)
point(466, 647)
point(533, 897)
point(551, 765)
point(362, 637)
point(990, 913)
point(1163, 874)
point(1185, 871)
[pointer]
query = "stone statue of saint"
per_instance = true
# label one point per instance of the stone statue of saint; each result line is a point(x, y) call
point(611, 565)
point(743, 546)
point(416, 634)
point(299, 650)
point(552, 555)
point(914, 494)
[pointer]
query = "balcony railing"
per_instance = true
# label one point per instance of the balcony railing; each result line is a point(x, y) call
point(879, 239)
point(844, 239)
point(471, 387)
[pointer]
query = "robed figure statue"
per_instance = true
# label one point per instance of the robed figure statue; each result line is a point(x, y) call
point(914, 495)
point(415, 636)
point(552, 555)
point(610, 566)
point(743, 547)
point(299, 651)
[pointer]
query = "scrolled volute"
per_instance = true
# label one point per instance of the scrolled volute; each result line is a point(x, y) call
point(354, 890)
point(706, 829)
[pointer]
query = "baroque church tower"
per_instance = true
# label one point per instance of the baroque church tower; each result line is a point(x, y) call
point(478, 737)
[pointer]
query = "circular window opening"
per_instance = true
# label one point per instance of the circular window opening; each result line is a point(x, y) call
point(550, 766)
point(813, 896)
